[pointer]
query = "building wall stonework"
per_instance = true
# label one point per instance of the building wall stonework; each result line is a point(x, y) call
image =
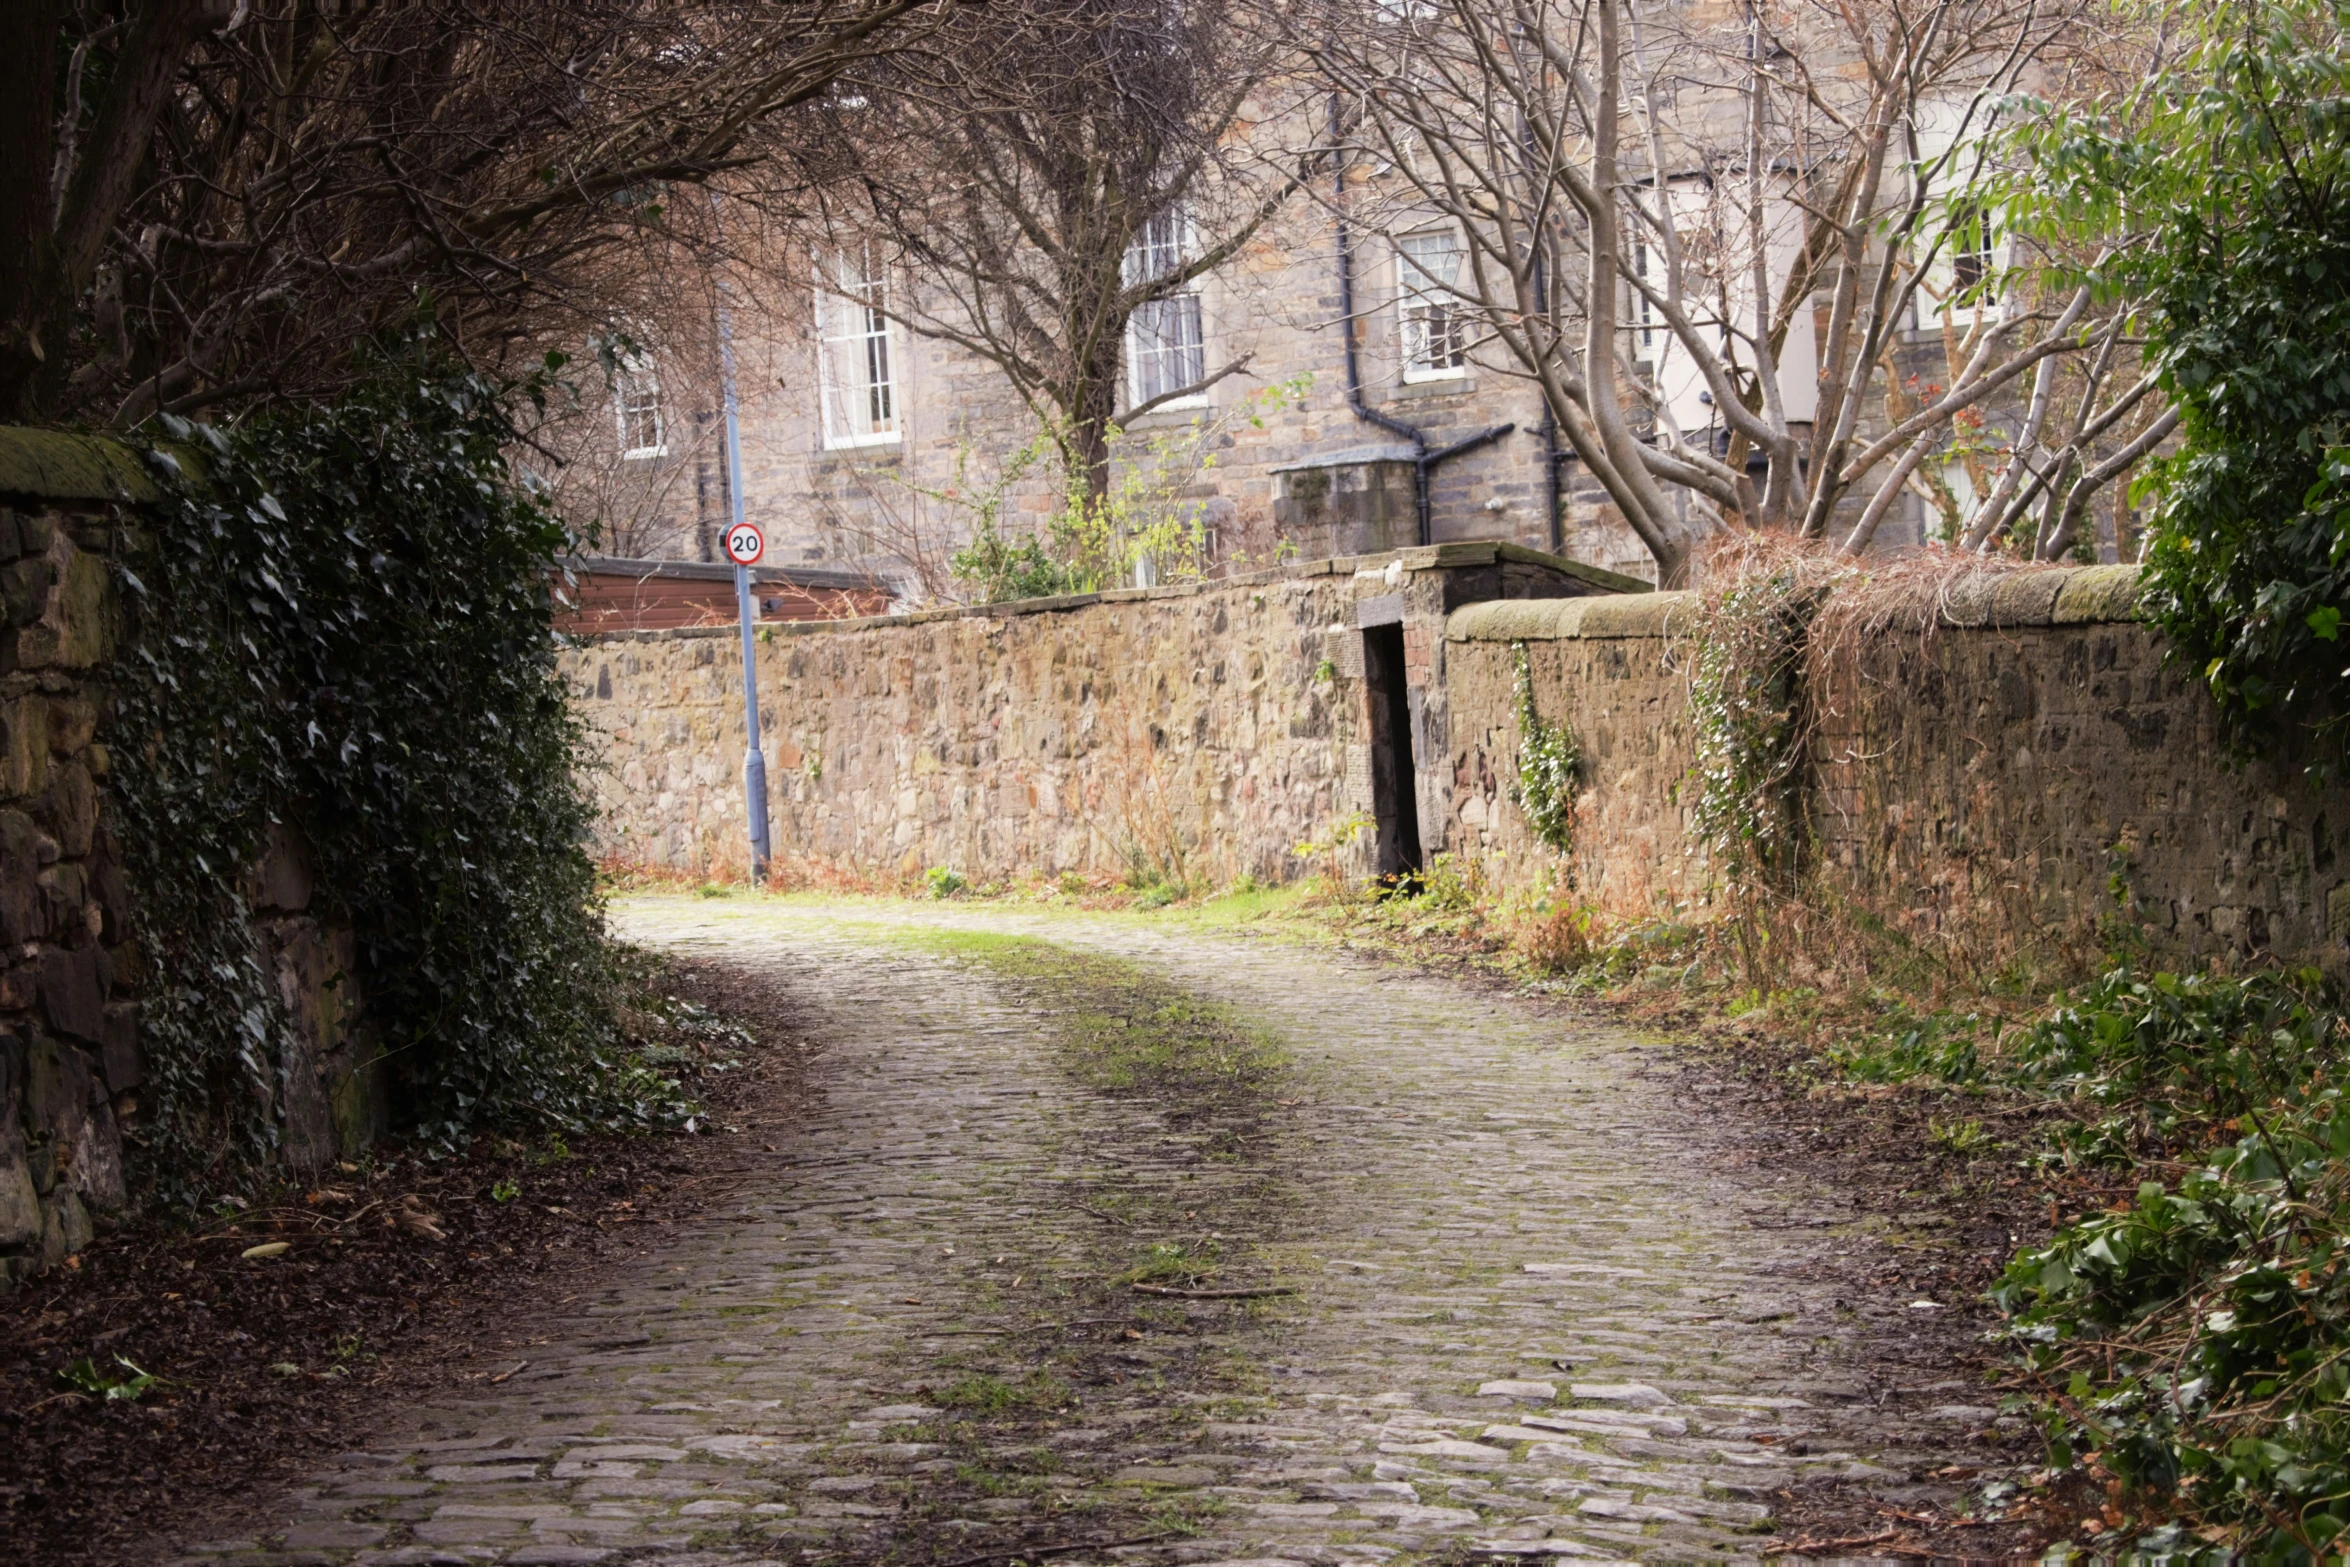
point(1984, 785)
point(1980, 786)
point(1198, 733)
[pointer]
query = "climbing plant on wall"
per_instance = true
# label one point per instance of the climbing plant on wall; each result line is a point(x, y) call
point(1550, 763)
point(343, 624)
point(1745, 709)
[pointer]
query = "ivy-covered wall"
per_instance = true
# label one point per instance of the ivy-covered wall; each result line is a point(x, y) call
point(71, 974)
point(2007, 782)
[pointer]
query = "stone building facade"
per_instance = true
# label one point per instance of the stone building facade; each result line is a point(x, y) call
point(868, 447)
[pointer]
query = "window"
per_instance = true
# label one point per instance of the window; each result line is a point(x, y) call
point(1435, 337)
point(1974, 254)
point(636, 407)
point(1644, 315)
point(1166, 343)
point(855, 373)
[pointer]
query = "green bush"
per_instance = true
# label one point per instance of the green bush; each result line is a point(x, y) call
point(2196, 1341)
point(345, 627)
point(2218, 193)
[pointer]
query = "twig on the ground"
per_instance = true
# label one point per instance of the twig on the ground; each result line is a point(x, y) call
point(1107, 1218)
point(1023, 1552)
point(1181, 1294)
point(1806, 1546)
point(1078, 1322)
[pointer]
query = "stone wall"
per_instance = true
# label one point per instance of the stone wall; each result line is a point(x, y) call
point(1198, 733)
point(71, 1069)
point(1976, 785)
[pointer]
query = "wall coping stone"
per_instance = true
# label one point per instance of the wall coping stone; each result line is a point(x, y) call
point(1430, 557)
point(55, 465)
point(2061, 596)
point(51, 465)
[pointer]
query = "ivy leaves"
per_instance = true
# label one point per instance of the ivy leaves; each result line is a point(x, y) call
point(1743, 702)
point(346, 630)
point(1550, 764)
point(2219, 192)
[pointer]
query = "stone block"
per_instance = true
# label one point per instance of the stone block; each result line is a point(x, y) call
point(282, 882)
point(73, 807)
point(20, 1203)
point(24, 763)
point(111, 893)
point(118, 1056)
point(334, 1093)
point(65, 1225)
point(80, 609)
point(73, 986)
point(24, 587)
point(57, 1090)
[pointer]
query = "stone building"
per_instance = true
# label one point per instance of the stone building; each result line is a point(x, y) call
point(869, 447)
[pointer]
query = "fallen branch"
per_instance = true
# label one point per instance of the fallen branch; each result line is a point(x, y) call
point(1179, 1294)
point(1025, 1552)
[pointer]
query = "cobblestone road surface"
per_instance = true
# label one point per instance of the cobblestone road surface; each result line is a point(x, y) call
point(1537, 1313)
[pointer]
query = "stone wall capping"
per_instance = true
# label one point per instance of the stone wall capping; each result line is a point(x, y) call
point(1435, 557)
point(2096, 595)
point(2060, 596)
point(1551, 620)
point(50, 465)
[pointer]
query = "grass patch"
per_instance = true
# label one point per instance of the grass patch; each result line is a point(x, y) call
point(1124, 1029)
point(989, 1397)
point(1186, 1265)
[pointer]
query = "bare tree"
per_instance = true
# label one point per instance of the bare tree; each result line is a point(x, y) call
point(1054, 173)
point(1664, 212)
point(212, 201)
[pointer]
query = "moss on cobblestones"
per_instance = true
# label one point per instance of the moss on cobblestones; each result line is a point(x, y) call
point(1125, 1029)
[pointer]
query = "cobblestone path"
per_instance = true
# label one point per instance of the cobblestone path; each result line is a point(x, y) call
point(1536, 1314)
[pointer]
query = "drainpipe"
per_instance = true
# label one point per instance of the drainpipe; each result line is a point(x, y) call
point(1424, 458)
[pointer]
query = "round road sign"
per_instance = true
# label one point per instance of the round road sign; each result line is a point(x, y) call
point(744, 545)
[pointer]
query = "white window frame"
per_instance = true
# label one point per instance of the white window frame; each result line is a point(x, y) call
point(855, 334)
point(1938, 132)
point(1985, 258)
point(636, 389)
point(1163, 246)
point(1422, 298)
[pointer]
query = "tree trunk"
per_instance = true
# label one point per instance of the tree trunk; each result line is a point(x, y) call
point(30, 334)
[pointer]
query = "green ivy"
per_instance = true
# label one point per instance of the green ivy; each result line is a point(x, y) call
point(344, 626)
point(1550, 765)
point(1744, 705)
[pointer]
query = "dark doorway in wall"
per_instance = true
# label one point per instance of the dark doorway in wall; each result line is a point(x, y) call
point(1395, 805)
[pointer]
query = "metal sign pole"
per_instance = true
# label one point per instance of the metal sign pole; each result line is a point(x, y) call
point(754, 760)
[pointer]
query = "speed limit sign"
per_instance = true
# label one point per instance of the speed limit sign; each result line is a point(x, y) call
point(744, 545)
